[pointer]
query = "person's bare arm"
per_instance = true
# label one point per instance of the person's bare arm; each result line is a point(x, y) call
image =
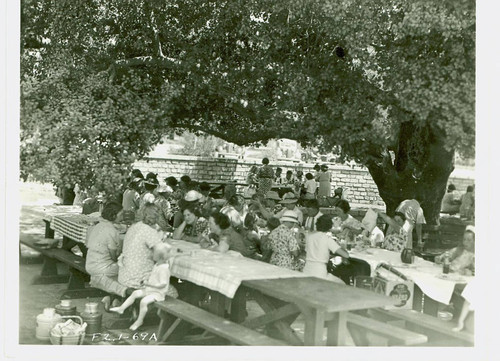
point(179, 231)
point(391, 222)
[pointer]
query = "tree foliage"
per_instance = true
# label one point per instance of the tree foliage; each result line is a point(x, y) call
point(388, 83)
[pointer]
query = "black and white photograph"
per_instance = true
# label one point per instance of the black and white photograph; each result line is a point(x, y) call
point(240, 179)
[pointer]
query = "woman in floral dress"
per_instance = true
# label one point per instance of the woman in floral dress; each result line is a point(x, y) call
point(284, 243)
point(136, 262)
point(396, 238)
point(265, 176)
point(194, 227)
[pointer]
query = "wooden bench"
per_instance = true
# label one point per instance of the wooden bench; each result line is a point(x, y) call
point(228, 330)
point(77, 278)
point(391, 335)
point(426, 323)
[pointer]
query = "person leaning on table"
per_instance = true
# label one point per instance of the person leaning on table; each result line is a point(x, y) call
point(318, 247)
point(194, 227)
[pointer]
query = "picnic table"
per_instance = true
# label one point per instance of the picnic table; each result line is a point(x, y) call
point(281, 293)
point(428, 276)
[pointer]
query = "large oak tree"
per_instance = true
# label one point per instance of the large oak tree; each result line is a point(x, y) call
point(388, 83)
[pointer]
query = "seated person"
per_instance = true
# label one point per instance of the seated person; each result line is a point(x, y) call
point(272, 223)
point(284, 243)
point(313, 213)
point(345, 226)
point(267, 206)
point(228, 238)
point(318, 247)
point(251, 235)
point(192, 197)
point(235, 209)
point(154, 289)
point(467, 204)
point(194, 227)
point(451, 200)
point(310, 187)
point(290, 203)
point(396, 238)
point(104, 247)
point(462, 258)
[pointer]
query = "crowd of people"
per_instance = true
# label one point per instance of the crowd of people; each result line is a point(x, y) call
point(267, 228)
point(455, 202)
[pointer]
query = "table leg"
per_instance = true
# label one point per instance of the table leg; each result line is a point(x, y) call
point(337, 330)
point(314, 327)
point(49, 273)
point(217, 303)
point(49, 232)
point(239, 306)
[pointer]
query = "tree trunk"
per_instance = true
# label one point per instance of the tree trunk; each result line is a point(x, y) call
point(425, 183)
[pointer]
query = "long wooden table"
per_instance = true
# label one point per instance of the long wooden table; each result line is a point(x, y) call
point(324, 304)
point(282, 294)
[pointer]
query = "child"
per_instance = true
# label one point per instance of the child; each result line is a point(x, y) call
point(155, 289)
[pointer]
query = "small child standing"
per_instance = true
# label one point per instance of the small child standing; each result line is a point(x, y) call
point(155, 289)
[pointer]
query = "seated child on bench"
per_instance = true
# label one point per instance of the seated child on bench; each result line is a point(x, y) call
point(155, 289)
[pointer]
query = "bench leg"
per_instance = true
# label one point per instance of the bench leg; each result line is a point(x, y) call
point(49, 274)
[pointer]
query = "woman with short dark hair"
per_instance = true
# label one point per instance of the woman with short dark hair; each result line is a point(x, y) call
point(193, 227)
point(318, 247)
point(265, 177)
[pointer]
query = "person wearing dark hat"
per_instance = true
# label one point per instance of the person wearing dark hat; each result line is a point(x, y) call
point(284, 243)
point(266, 208)
point(131, 199)
point(265, 177)
point(290, 203)
point(325, 184)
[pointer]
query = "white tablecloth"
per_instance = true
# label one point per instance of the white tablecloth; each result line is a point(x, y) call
point(222, 272)
point(427, 275)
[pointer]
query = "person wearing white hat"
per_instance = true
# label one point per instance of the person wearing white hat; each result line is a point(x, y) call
point(284, 244)
point(462, 258)
point(290, 203)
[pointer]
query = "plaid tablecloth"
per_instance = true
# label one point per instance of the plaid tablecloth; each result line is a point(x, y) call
point(222, 272)
point(75, 227)
point(427, 275)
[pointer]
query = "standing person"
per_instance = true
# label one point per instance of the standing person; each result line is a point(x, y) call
point(252, 181)
point(284, 244)
point(313, 213)
point(467, 205)
point(265, 176)
point(298, 185)
point(277, 178)
point(324, 179)
point(318, 247)
point(154, 289)
point(414, 219)
point(136, 261)
point(310, 187)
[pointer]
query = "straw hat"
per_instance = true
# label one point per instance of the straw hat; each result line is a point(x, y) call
point(289, 216)
point(289, 198)
point(193, 196)
point(273, 195)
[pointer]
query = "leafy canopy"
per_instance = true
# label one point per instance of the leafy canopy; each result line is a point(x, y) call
point(104, 79)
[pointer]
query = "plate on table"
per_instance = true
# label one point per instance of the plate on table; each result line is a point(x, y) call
point(451, 277)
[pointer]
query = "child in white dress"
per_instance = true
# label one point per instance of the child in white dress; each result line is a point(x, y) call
point(155, 289)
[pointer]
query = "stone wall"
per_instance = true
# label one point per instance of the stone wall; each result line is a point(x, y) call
point(357, 180)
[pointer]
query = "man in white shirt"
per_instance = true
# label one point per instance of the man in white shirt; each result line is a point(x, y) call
point(313, 213)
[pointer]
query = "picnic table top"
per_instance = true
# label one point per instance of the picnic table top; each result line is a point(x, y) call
point(320, 294)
